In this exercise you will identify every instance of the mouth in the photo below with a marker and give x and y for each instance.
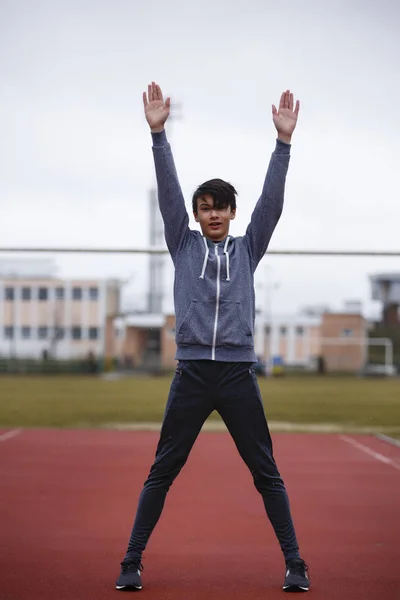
(215, 225)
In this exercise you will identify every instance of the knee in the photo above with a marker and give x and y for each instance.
(162, 473)
(268, 482)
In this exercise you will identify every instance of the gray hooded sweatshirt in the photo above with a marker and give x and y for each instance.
(214, 282)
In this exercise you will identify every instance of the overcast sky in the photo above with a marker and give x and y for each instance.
(76, 161)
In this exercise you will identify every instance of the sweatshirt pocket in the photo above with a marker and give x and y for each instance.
(198, 324)
(233, 328)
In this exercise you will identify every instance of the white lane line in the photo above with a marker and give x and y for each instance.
(388, 439)
(366, 450)
(9, 434)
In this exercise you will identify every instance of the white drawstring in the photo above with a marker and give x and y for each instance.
(227, 258)
(205, 259)
(203, 270)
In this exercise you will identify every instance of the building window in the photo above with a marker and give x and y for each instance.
(93, 333)
(43, 333)
(118, 332)
(26, 332)
(60, 293)
(283, 330)
(153, 340)
(43, 293)
(76, 293)
(9, 293)
(9, 332)
(93, 293)
(347, 332)
(26, 293)
(76, 332)
(299, 330)
(59, 333)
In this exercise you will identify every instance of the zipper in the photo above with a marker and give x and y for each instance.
(217, 303)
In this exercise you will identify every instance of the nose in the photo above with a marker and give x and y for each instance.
(214, 213)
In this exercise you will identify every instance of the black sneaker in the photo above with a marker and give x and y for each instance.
(296, 577)
(129, 578)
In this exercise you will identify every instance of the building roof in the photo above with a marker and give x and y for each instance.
(27, 268)
(143, 320)
(393, 277)
(294, 319)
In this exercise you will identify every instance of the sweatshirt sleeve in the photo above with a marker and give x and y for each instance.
(170, 197)
(269, 207)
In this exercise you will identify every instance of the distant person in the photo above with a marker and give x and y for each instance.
(214, 306)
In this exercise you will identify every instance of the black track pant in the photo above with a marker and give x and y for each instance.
(198, 388)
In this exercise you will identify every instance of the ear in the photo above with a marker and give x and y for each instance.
(233, 214)
(196, 218)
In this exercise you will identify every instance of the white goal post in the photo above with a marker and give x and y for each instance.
(364, 342)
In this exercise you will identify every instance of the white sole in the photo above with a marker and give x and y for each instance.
(123, 587)
(290, 588)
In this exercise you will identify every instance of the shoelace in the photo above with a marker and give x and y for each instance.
(131, 566)
(298, 567)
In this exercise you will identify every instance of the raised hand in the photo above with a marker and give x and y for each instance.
(285, 118)
(156, 110)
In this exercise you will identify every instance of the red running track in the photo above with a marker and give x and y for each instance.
(68, 499)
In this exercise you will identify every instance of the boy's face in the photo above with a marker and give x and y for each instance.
(214, 222)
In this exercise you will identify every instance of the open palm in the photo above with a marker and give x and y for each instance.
(155, 109)
(285, 118)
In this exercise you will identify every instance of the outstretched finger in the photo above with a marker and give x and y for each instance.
(274, 111)
(282, 100)
(150, 92)
(168, 102)
(159, 93)
(145, 103)
(291, 101)
(297, 107)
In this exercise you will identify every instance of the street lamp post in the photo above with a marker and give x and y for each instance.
(269, 288)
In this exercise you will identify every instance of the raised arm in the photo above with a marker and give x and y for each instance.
(170, 197)
(270, 204)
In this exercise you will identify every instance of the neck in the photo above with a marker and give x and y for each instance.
(215, 241)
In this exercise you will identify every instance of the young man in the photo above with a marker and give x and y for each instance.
(215, 309)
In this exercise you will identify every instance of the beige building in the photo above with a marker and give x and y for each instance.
(136, 340)
(70, 318)
(294, 338)
(341, 339)
(41, 313)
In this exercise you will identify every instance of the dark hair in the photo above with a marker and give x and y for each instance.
(222, 192)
